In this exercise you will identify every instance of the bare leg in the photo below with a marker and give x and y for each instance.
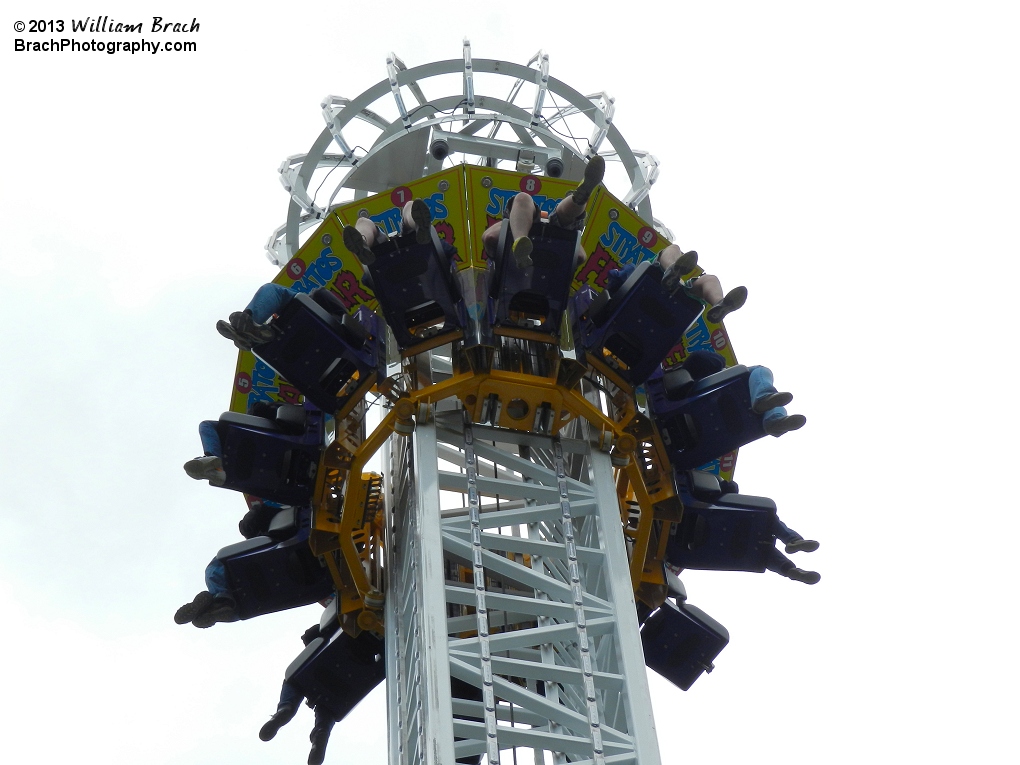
(359, 238)
(522, 215)
(708, 289)
(572, 206)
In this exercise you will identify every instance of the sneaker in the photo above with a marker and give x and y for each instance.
(221, 610)
(521, 249)
(284, 714)
(782, 425)
(802, 545)
(209, 467)
(230, 333)
(734, 299)
(198, 606)
(319, 739)
(681, 267)
(355, 243)
(246, 327)
(771, 401)
(594, 172)
(422, 221)
(800, 575)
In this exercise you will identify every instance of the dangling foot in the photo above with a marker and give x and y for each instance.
(800, 575)
(422, 221)
(202, 602)
(355, 243)
(221, 610)
(224, 328)
(771, 401)
(802, 545)
(594, 172)
(734, 299)
(246, 327)
(284, 714)
(208, 468)
(319, 739)
(522, 247)
(680, 268)
(781, 425)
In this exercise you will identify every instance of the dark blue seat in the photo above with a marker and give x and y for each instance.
(529, 302)
(681, 642)
(267, 575)
(332, 359)
(627, 333)
(273, 459)
(712, 418)
(337, 671)
(720, 531)
(418, 292)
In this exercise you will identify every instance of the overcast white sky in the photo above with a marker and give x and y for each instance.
(854, 165)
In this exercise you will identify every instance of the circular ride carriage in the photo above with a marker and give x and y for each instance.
(548, 466)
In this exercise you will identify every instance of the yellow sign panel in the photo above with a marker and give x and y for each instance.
(442, 192)
(489, 190)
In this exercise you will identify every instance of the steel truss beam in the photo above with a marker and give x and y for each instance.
(508, 573)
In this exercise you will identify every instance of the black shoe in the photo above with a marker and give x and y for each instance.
(225, 329)
(245, 326)
(355, 244)
(771, 401)
(221, 610)
(422, 221)
(594, 172)
(802, 545)
(202, 602)
(785, 424)
(800, 575)
(284, 714)
(734, 299)
(319, 739)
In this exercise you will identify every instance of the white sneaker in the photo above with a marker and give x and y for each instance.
(209, 467)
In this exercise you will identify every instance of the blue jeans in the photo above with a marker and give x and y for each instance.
(784, 533)
(778, 562)
(761, 384)
(269, 299)
(210, 438)
(216, 580)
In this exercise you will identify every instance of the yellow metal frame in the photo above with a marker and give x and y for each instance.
(643, 476)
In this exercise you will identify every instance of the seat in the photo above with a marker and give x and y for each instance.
(713, 419)
(721, 532)
(273, 460)
(268, 576)
(333, 360)
(338, 671)
(628, 333)
(416, 289)
(681, 642)
(529, 302)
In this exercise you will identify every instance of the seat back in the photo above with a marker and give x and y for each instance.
(530, 301)
(733, 532)
(332, 360)
(268, 576)
(634, 328)
(417, 291)
(261, 460)
(339, 671)
(681, 642)
(714, 419)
